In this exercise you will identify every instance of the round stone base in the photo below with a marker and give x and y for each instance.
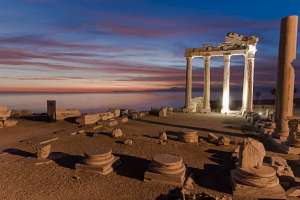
(263, 177)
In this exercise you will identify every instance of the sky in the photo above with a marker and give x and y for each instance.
(131, 45)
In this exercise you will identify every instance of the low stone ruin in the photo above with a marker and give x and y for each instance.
(43, 151)
(162, 112)
(62, 114)
(222, 140)
(117, 133)
(252, 177)
(166, 168)
(283, 170)
(163, 137)
(189, 136)
(100, 161)
(5, 113)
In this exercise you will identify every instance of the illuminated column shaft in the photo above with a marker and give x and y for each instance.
(207, 84)
(226, 84)
(285, 75)
(250, 76)
(245, 85)
(188, 86)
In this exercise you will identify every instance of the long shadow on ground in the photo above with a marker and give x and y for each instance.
(195, 128)
(132, 167)
(66, 160)
(19, 152)
(215, 176)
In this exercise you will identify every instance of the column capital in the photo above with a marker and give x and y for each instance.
(189, 57)
(227, 57)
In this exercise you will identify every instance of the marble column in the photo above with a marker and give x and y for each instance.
(206, 106)
(245, 85)
(226, 85)
(285, 75)
(250, 76)
(188, 86)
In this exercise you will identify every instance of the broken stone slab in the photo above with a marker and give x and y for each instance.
(162, 112)
(251, 154)
(111, 123)
(124, 120)
(163, 137)
(43, 151)
(128, 142)
(212, 138)
(224, 140)
(282, 146)
(21, 113)
(283, 170)
(8, 123)
(103, 116)
(99, 126)
(88, 119)
(5, 112)
(62, 114)
(124, 112)
(293, 192)
(116, 112)
(117, 133)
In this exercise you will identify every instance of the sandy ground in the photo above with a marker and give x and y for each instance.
(22, 179)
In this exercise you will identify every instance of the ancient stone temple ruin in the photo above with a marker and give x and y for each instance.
(234, 44)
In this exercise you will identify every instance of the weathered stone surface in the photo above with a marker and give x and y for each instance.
(251, 154)
(224, 140)
(162, 112)
(88, 119)
(286, 75)
(103, 116)
(116, 112)
(117, 133)
(62, 114)
(163, 137)
(21, 113)
(111, 123)
(166, 168)
(189, 136)
(5, 112)
(283, 170)
(293, 192)
(43, 151)
(8, 123)
(212, 138)
(128, 142)
(124, 120)
(100, 162)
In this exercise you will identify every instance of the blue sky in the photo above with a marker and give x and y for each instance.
(101, 45)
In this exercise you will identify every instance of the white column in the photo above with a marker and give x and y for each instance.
(188, 86)
(245, 85)
(250, 76)
(226, 85)
(207, 84)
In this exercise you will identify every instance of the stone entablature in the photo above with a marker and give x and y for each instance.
(234, 44)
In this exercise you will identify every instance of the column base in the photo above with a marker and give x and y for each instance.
(225, 111)
(205, 110)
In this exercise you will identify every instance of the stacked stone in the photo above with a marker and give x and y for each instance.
(252, 177)
(100, 162)
(166, 168)
(189, 136)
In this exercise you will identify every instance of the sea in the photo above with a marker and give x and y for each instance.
(94, 102)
